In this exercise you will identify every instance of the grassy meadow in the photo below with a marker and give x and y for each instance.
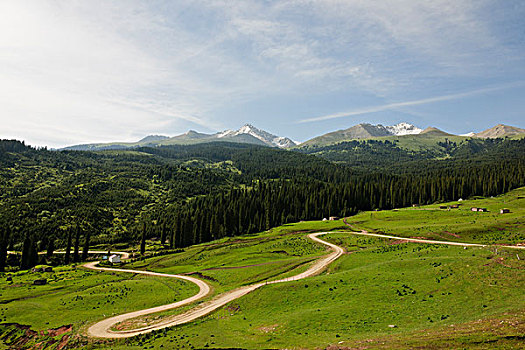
(461, 225)
(76, 296)
(415, 288)
(380, 294)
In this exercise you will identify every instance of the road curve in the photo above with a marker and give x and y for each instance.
(429, 241)
(102, 329)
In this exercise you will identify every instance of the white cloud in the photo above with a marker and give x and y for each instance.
(75, 78)
(86, 71)
(399, 105)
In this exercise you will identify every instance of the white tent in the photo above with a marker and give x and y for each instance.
(114, 258)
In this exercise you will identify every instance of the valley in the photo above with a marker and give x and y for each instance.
(239, 245)
(262, 175)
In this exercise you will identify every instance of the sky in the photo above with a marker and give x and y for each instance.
(89, 71)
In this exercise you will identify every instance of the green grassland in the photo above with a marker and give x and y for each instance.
(435, 296)
(236, 261)
(76, 296)
(460, 224)
(416, 287)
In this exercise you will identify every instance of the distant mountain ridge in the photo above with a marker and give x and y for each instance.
(434, 132)
(264, 136)
(369, 131)
(365, 131)
(252, 135)
(246, 134)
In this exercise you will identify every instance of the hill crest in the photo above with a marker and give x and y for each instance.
(500, 130)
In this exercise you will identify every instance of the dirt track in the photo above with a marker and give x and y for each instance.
(102, 329)
(429, 241)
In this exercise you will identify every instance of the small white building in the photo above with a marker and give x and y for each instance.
(114, 258)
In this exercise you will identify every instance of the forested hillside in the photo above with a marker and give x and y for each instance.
(192, 194)
(406, 153)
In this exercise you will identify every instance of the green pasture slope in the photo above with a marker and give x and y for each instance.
(461, 225)
(434, 296)
(419, 289)
(74, 297)
(381, 294)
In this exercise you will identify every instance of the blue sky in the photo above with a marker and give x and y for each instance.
(94, 71)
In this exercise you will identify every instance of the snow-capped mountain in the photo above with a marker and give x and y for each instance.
(364, 131)
(403, 129)
(264, 136)
(468, 134)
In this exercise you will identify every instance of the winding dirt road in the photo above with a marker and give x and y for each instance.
(102, 329)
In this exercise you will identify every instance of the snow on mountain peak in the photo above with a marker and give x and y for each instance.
(468, 134)
(403, 129)
(247, 128)
(266, 137)
(225, 133)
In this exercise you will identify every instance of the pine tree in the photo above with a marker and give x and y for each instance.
(143, 240)
(76, 256)
(163, 233)
(68, 247)
(50, 247)
(33, 253)
(29, 253)
(4, 242)
(26, 246)
(85, 249)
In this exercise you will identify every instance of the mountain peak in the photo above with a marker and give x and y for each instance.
(500, 130)
(153, 138)
(434, 132)
(365, 131)
(261, 135)
(247, 128)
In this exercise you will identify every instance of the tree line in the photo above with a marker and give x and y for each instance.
(272, 203)
(193, 194)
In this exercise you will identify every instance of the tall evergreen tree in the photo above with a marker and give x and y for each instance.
(68, 246)
(76, 256)
(85, 249)
(4, 242)
(143, 240)
(33, 253)
(163, 233)
(29, 253)
(50, 247)
(26, 251)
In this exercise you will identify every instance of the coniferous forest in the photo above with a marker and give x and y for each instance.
(191, 194)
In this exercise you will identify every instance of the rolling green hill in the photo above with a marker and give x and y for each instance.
(197, 193)
(383, 293)
(403, 151)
